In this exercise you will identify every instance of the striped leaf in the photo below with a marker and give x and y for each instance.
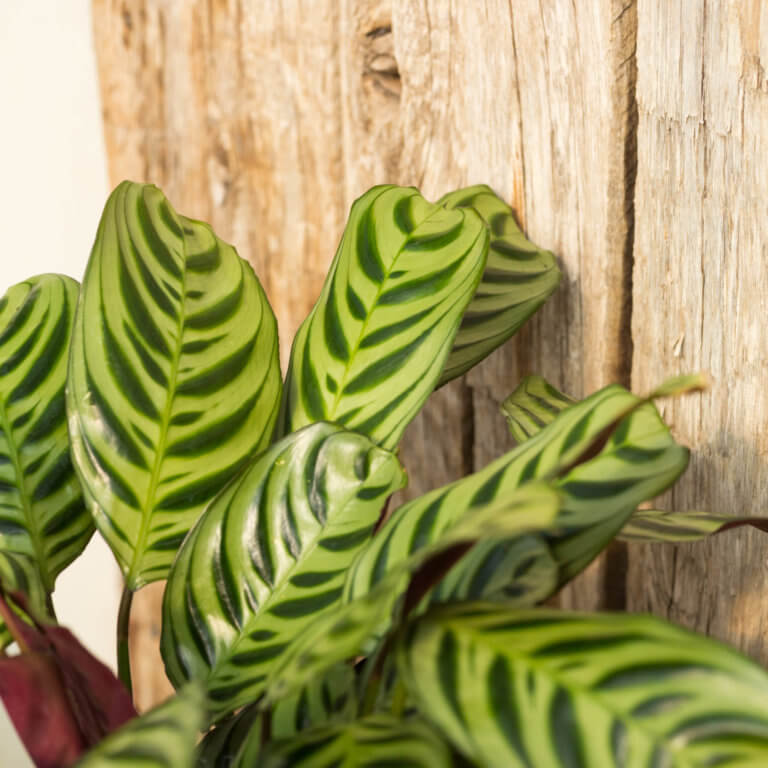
(164, 737)
(237, 742)
(375, 741)
(269, 556)
(518, 279)
(328, 698)
(42, 514)
(534, 404)
(546, 688)
(174, 380)
(223, 745)
(660, 525)
(354, 629)
(374, 345)
(19, 574)
(638, 461)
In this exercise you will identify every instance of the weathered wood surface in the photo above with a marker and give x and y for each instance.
(701, 297)
(269, 119)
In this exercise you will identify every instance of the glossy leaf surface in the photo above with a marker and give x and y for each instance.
(660, 525)
(354, 628)
(174, 379)
(20, 575)
(534, 404)
(518, 279)
(237, 742)
(42, 514)
(374, 345)
(372, 742)
(637, 462)
(164, 737)
(546, 688)
(270, 556)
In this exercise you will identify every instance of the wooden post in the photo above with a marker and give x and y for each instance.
(268, 121)
(700, 293)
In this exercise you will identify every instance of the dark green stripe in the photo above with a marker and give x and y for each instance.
(142, 319)
(157, 246)
(55, 347)
(294, 609)
(218, 313)
(367, 249)
(426, 286)
(124, 372)
(345, 541)
(394, 329)
(52, 417)
(383, 368)
(335, 340)
(211, 436)
(21, 315)
(220, 375)
(14, 361)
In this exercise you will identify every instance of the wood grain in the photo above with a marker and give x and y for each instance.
(700, 293)
(268, 121)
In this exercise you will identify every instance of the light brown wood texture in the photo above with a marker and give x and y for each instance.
(701, 295)
(268, 119)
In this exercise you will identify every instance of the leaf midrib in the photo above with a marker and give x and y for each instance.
(148, 505)
(34, 534)
(364, 327)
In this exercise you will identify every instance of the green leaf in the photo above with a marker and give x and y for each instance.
(546, 688)
(637, 459)
(374, 345)
(660, 525)
(237, 741)
(164, 737)
(174, 379)
(352, 629)
(270, 556)
(223, 745)
(372, 742)
(518, 279)
(330, 697)
(534, 404)
(19, 574)
(42, 514)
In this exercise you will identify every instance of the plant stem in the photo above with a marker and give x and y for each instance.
(49, 606)
(123, 648)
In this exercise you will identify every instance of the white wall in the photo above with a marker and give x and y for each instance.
(52, 190)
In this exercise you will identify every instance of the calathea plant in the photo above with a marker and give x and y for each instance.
(303, 626)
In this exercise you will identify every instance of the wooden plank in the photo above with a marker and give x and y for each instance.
(700, 288)
(269, 123)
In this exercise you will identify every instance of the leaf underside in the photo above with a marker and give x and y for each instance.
(534, 404)
(174, 380)
(518, 278)
(674, 527)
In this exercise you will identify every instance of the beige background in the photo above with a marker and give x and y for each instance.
(53, 189)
